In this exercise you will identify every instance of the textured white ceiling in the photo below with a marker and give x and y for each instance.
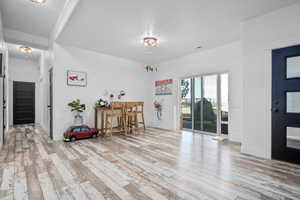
(117, 27)
(31, 18)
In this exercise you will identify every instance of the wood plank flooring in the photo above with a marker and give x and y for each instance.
(157, 165)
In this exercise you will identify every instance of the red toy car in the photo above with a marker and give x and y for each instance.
(78, 132)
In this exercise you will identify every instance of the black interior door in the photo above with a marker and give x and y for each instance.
(1, 70)
(286, 104)
(24, 102)
(2, 100)
(50, 106)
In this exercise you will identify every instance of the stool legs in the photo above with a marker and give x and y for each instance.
(133, 124)
(136, 124)
(143, 121)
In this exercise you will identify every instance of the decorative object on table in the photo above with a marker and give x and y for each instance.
(101, 104)
(122, 93)
(79, 132)
(111, 97)
(164, 87)
(75, 78)
(78, 108)
(151, 68)
(158, 109)
(105, 93)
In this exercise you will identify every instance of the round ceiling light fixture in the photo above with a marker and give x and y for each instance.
(25, 49)
(150, 41)
(38, 1)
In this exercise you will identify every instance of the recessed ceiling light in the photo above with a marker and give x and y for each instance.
(38, 1)
(25, 49)
(150, 41)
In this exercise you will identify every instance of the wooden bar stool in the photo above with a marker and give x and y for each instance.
(140, 111)
(131, 117)
(116, 112)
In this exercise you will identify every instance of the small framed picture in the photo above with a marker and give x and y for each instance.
(164, 87)
(75, 78)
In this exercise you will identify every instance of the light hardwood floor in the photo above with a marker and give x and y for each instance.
(156, 165)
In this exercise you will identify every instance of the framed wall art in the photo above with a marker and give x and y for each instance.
(164, 87)
(76, 78)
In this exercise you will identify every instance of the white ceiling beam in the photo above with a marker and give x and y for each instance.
(18, 37)
(63, 18)
(2, 45)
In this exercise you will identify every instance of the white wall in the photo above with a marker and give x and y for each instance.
(44, 91)
(27, 71)
(226, 58)
(259, 35)
(1, 33)
(103, 73)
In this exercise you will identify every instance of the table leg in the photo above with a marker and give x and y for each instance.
(102, 124)
(96, 118)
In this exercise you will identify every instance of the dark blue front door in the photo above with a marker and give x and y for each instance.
(286, 104)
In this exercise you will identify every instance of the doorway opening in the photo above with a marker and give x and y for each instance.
(204, 104)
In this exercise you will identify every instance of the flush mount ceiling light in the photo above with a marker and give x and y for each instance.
(150, 41)
(25, 49)
(38, 1)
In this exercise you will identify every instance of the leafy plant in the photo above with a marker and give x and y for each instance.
(101, 103)
(185, 87)
(76, 106)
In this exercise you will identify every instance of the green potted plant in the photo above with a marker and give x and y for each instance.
(78, 108)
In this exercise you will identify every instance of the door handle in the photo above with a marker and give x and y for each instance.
(275, 109)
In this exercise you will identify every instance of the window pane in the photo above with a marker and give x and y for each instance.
(224, 104)
(293, 102)
(293, 137)
(210, 103)
(293, 67)
(198, 104)
(186, 103)
(76, 130)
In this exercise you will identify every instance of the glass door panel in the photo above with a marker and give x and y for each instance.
(210, 106)
(198, 104)
(204, 103)
(224, 103)
(186, 103)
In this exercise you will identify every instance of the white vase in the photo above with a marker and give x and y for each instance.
(78, 119)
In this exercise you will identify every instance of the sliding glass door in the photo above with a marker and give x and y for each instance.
(224, 103)
(210, 107)
(198, 107)
(204, 105)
